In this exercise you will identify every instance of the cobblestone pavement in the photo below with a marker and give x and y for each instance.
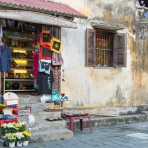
(127, 136)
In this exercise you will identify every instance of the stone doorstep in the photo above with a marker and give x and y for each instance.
(110, 121)
(38, 107)
(80, 111)
(107, 111)
(43, 125)
(51, 134)
(50, 115)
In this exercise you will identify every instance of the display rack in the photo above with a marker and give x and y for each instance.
(20, 78)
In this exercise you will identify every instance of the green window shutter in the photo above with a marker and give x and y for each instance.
(120, 50)
(90, 47)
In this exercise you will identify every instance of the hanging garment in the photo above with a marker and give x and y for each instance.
(57, 59)
(57, 77)
(45, 54)
(1, 31)
(5, 58)
(44, 83)
(45, 66)
(36, 64)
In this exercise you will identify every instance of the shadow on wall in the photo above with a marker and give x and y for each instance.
(118, 99)
(140, 97)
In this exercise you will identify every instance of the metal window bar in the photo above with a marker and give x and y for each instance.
(104, 48)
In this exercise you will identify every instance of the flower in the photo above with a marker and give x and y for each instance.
(19, 135)
(27, 135)
(20, 127)
(11, 137)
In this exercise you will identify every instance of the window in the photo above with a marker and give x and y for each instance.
(105, 48)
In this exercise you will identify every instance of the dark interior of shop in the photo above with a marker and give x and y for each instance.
(22, 38)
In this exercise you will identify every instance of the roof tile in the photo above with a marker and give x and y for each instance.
(44, 5)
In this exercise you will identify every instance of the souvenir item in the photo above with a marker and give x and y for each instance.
(45, 39)
(45, 54)
(56, 45)
(45, 66)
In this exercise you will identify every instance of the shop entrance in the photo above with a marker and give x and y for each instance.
(24, 74)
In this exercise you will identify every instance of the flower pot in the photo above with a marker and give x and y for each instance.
(19, 144)
(11, 144)
(25, 143)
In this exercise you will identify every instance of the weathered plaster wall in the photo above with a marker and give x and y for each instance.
(140, 70)
(95, 86)
(90, 85)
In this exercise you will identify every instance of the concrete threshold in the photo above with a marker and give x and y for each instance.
(100, 121)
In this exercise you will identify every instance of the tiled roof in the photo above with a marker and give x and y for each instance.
(42, 6)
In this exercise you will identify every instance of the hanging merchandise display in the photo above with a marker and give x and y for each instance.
(56, 45)
(57, 59)
(44, 83)
(45, 66)
(36, 64)
(5, 58)
(45, 54)
(57, 78)
(45, 46)
(49, 56)
(45, 39)
(34, 61)
(1, 31)
(19, 36)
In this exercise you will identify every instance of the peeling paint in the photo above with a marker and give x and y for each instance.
(95, 86)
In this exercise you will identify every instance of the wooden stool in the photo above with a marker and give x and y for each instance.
(84, 119)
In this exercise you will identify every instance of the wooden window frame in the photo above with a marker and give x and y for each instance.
(119, 51)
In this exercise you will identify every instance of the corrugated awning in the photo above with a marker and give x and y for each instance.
(36, 17)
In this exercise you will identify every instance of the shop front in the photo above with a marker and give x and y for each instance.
(30, 64)
(21, 40)
(31, 50)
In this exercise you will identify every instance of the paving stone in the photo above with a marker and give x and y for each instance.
(51, 134)
(107, 137)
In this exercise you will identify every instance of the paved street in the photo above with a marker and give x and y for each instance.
(128, 136)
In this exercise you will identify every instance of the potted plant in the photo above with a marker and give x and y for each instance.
(20, 138)
(20, 127)
(8, 128)
(27, 136)
(10, 139)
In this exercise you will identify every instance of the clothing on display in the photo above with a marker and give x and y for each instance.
(34, 61)
(57, 59)
(1, 31)
(56, 45)
(5, 58)
(44, 83)
(45, 54)
(36, 64)
(57, 77)
(45, 66)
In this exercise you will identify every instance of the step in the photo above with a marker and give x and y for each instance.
(43, 125)
(51, 134)
(37, 107)
(47, 115)
(29, 99)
